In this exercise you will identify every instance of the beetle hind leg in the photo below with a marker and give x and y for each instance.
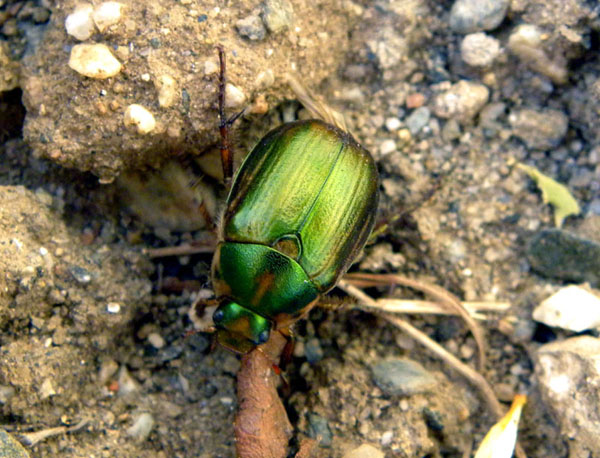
(224, 122)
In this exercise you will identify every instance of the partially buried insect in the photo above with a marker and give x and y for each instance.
(301, 207)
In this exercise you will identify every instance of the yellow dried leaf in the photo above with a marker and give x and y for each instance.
(501, 439)
(553, 193)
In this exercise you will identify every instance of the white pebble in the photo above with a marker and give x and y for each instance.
(392, 124)
(145, 77)
(43, 251)
(47, 389)
(79, 23)
(386, 438)
(94, 61)
(572, 308)
(234, 96)
(113, 307)
(265, 79)
(167, 90)
(156, 340)
(387, 147)
(138, 117)
(210, 67)
(107, 14)
(141, 428)
(127, 384)
(479, 49)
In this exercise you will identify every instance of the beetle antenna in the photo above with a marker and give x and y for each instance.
(224, 123)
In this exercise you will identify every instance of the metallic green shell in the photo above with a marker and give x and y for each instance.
(311, 185)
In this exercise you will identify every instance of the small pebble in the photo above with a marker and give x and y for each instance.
(80, 274)
(251, 27)
(386, 438)
(94, 61)
(167, 90)
(235, 98)
(210, 67)
(418, 119)
(401, 376)
(392, 124)
(156, 340)
(318, 428)
(127, 384)
(107, 14)
(387, 147)
(462, 101)
(79, 23)
(573, 308)
(47, 389)
(479, 49)
(108, 369)
(468, 16)
(265, 79)
(6, 392)
(364, 451)
(113, 307)
(141, 428)
(539, 129)
(277, 15)
(313, 350)
(415, 100)
(139, 118)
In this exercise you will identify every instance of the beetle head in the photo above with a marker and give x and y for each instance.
(240, 329)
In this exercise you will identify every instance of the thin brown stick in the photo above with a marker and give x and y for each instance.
(179, 250)
(444, 297)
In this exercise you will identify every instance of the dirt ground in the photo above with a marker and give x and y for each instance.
(94, 333)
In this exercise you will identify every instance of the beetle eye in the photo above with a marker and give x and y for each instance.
(218, 316)
(263, 336)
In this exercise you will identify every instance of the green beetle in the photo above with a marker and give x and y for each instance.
(301, 207)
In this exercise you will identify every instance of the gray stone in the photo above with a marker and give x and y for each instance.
(468, 16)
(277, 15)
(541, 130)
(313, 351)
(555, 253)
(568, 372)
(418, 119)
(251, 27)
(479, 49)
(462, 101)
(403, 377)
(318, 428)
(11, 447)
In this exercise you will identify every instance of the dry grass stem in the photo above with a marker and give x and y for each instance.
(443, 297)
(32, 439)
(475, 308)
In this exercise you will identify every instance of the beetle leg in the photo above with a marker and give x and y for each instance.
(288, 349)
(224, 123)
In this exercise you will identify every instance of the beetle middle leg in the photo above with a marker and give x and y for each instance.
(224, 122)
